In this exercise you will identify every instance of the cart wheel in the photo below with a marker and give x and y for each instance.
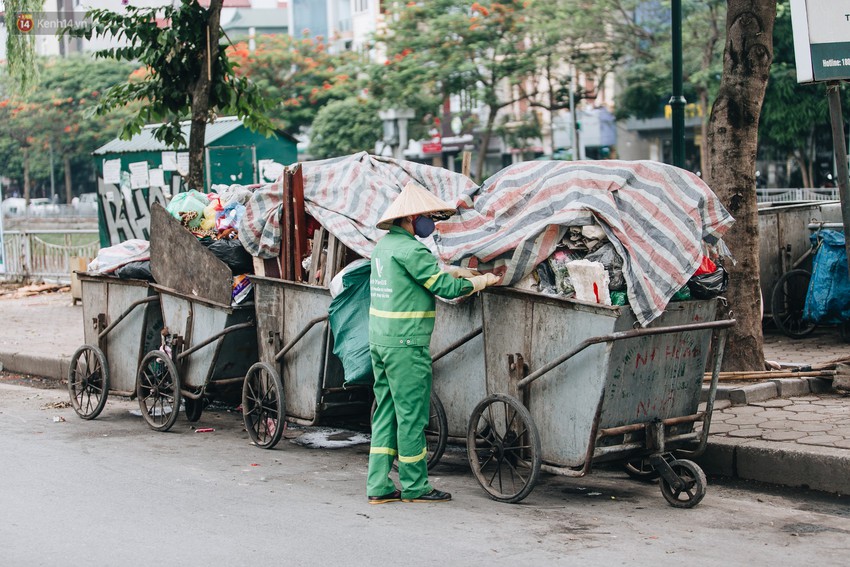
(693, 490)
(193, 408)
(262, 405)
(436, 432)
(88, 381)
(503, 447)
(788, 301)
(158, 390)
(640, 469)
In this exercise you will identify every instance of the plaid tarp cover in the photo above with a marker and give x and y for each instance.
(657, 216)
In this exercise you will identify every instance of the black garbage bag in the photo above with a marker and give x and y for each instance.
(706, 286)
(135, 271)
(232, 253)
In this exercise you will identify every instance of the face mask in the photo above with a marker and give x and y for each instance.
(423, 226)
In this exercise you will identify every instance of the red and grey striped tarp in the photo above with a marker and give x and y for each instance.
(656, 215)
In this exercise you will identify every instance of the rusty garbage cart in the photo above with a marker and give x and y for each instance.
(572, 384)
(207, 341)
(122, 323)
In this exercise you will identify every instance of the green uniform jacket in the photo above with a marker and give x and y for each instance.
(405, 277)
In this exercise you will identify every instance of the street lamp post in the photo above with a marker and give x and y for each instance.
(677, 101)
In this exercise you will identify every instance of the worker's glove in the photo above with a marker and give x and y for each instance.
(459, 272)
(482, 281)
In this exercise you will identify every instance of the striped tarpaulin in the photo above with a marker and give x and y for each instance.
(657, 216)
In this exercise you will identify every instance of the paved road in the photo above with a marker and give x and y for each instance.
(111, 492)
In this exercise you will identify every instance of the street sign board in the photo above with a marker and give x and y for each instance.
(821, 40)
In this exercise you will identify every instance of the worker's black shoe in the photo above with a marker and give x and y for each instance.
(394, 496)
(433, 496)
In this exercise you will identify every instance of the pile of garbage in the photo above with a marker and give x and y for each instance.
(213, 218)
(586, 266)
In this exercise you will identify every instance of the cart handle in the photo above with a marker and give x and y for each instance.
(296, 338)
(129, 310)
(212, 338)
(621, 335)
(457, 344)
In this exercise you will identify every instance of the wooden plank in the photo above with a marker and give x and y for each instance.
(330, 260)
(181, 263)
(286, 252)
(299, 226)
(316, 258)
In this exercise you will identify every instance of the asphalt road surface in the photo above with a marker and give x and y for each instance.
(112, 492)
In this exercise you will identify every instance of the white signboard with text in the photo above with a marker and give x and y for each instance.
(821, 39)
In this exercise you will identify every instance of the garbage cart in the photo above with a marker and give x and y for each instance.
(122, 323)
(572, 384)
(207, 342)
(296, 359)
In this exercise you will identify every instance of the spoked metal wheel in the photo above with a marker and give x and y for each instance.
(158, 390)
(692, 490)
(88, 381)
(640, 469)
(788, 301)
(503, 447)
(262, 405)
(436, 432)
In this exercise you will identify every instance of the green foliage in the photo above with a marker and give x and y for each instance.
(647, 78)
(794, 117)
(298, 75)
(20, 47)
(55, 115)
(520, 134)
(173, 65)
(345, 127)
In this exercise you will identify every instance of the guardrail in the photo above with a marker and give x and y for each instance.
(783, 195)
(46, 254)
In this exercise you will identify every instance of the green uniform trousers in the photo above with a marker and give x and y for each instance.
(402, 395)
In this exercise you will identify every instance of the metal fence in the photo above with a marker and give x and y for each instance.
(46, 254)
(786, 195)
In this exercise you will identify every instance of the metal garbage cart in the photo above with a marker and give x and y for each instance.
(573, 384)
(208, 343)
(122, 322)
(297, 360)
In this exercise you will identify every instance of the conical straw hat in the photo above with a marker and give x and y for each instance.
(414, 200)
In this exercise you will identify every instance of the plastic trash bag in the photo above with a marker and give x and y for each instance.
(232, 253)
(710, 285)
(828, 298)
(135, 271)
(608, 257)
(348, 315)
(111, 258)
(188, 205)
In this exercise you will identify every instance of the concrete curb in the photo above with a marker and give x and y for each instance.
(775, 388)
(22, 363)
(817, 468)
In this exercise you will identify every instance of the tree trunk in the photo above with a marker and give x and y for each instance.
(69, 190)
(201, 99)
(485, 143)
(732, 141)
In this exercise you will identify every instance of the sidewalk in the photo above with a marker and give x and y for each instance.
(793, 432)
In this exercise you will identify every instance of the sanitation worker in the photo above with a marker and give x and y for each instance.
(405, 278)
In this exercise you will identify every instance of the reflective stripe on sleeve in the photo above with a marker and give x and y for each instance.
(432, 280)
(415, 459)
(401, 314)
